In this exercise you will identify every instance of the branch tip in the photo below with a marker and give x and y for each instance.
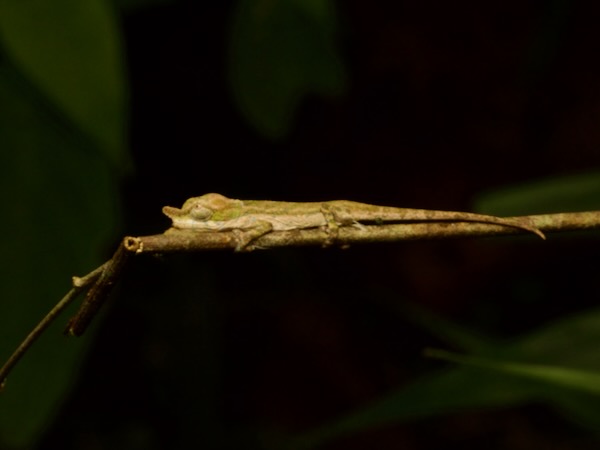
(133, 244)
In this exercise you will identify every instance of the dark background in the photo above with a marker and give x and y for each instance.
(443, 102)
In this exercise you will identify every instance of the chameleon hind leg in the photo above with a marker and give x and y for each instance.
(245, 237)
(332, 226)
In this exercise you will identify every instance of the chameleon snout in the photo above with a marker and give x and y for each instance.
(171, 212)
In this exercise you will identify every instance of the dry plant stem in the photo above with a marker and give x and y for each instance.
(188, 241)
(98, 293)
(79, 284)
(174, 240)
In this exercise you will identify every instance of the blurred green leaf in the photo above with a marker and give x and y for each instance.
(71, 51)
(563, 354)
(582, 380)
(280, 52)
(446, 331)
(59, 211)
(561, 194)
(457, 390)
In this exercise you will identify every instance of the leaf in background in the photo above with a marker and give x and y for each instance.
(446, 331)
(456, 390)
(71, 51)
(570, 345)
(58, 216)
(281, 51)
(570, 193)
(582, 380)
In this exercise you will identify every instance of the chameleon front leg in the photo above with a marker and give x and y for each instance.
(245, 237)
(332, 225)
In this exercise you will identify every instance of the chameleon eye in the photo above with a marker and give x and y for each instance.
(200, 212)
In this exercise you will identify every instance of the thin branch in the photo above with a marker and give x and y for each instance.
(98, 293)
(79, 284)
(174, 240)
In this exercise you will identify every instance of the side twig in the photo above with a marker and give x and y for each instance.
(79, 284)
(96, 296)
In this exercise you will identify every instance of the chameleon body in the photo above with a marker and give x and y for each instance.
(215, 212)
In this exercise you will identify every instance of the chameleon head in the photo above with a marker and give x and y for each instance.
(198, 209)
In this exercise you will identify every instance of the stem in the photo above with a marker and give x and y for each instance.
(175, 240)
(97, 295)
(80, 283)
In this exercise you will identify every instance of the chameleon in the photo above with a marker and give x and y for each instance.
(251, 219)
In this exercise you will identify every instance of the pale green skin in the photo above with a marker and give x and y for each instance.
(215, 212)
